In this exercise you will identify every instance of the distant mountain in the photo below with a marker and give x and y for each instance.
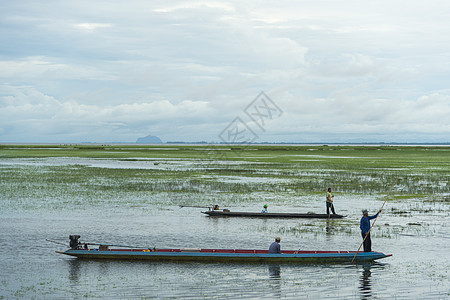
(149, 139)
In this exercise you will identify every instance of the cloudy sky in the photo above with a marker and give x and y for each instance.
(331, 71)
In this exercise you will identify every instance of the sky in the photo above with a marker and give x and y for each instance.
(306, 71)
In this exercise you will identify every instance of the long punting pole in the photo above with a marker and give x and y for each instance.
(56, 242)
(375, 218)
(98, 244)
(181, 206)
(332, 193)
(113, 245)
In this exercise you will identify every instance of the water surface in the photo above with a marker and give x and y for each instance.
(416, 232)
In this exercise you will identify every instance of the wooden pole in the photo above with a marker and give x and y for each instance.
(113, 245)
(332, 203)
(375, 218)
(56, 242)
(181, 206)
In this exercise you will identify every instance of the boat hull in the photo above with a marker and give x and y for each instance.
(227, 255)
(214, 213)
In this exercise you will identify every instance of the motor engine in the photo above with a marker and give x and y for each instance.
(74, 244)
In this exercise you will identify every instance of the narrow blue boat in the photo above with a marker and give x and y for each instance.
(226, 255)
(83, 251)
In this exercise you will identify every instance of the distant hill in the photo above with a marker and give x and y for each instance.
(149, 139)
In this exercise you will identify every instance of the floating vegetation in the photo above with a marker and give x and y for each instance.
(414, 224)
(86, 174)
(132, 193)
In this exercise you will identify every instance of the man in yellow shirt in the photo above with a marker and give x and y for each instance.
(330, 203)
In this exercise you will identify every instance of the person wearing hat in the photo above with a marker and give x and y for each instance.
(364, 224)
(275, 246)
(264, 210)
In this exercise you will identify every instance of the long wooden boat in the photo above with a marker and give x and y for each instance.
(227, 213)
(225, 255)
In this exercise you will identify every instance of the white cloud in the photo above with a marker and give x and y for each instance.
(37, 116)
(183, 70)
(44, 68)
(91, 26)
(196, 5)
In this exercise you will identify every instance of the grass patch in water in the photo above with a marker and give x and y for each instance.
(201, 173)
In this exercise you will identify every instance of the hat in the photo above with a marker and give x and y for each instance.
(365, 211)
(278, 239)
(265, 205)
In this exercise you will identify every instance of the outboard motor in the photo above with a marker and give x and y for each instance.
(74, 244)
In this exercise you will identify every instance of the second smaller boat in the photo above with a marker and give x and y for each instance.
(228, 213)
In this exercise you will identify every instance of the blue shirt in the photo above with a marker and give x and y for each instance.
(264, 210)
(274, 248)
(364, 224)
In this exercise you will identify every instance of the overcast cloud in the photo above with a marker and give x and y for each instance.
(340, 71)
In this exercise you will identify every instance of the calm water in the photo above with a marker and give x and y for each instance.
(419, 240)
(31, 269)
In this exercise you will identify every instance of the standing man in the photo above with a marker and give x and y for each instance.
(330, 203)
(364, 224)
(275, 246)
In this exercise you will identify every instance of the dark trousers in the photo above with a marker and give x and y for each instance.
(367, 242)
(328, 208)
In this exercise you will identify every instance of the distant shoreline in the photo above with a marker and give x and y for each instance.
(230, 144)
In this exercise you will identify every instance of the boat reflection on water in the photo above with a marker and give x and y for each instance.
(74, 270)
(329, 228)
(366, 280)
(365, 287)
(275, 279)
(274, 272)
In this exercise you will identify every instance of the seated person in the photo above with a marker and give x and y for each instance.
(265, 209)
(275, 246)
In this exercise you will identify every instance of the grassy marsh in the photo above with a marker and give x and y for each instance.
(131, 194)
(85, 174)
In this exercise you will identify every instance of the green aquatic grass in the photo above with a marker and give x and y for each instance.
(227, 174)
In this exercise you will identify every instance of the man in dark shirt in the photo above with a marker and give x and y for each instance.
(364, 224)
(275, 246)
